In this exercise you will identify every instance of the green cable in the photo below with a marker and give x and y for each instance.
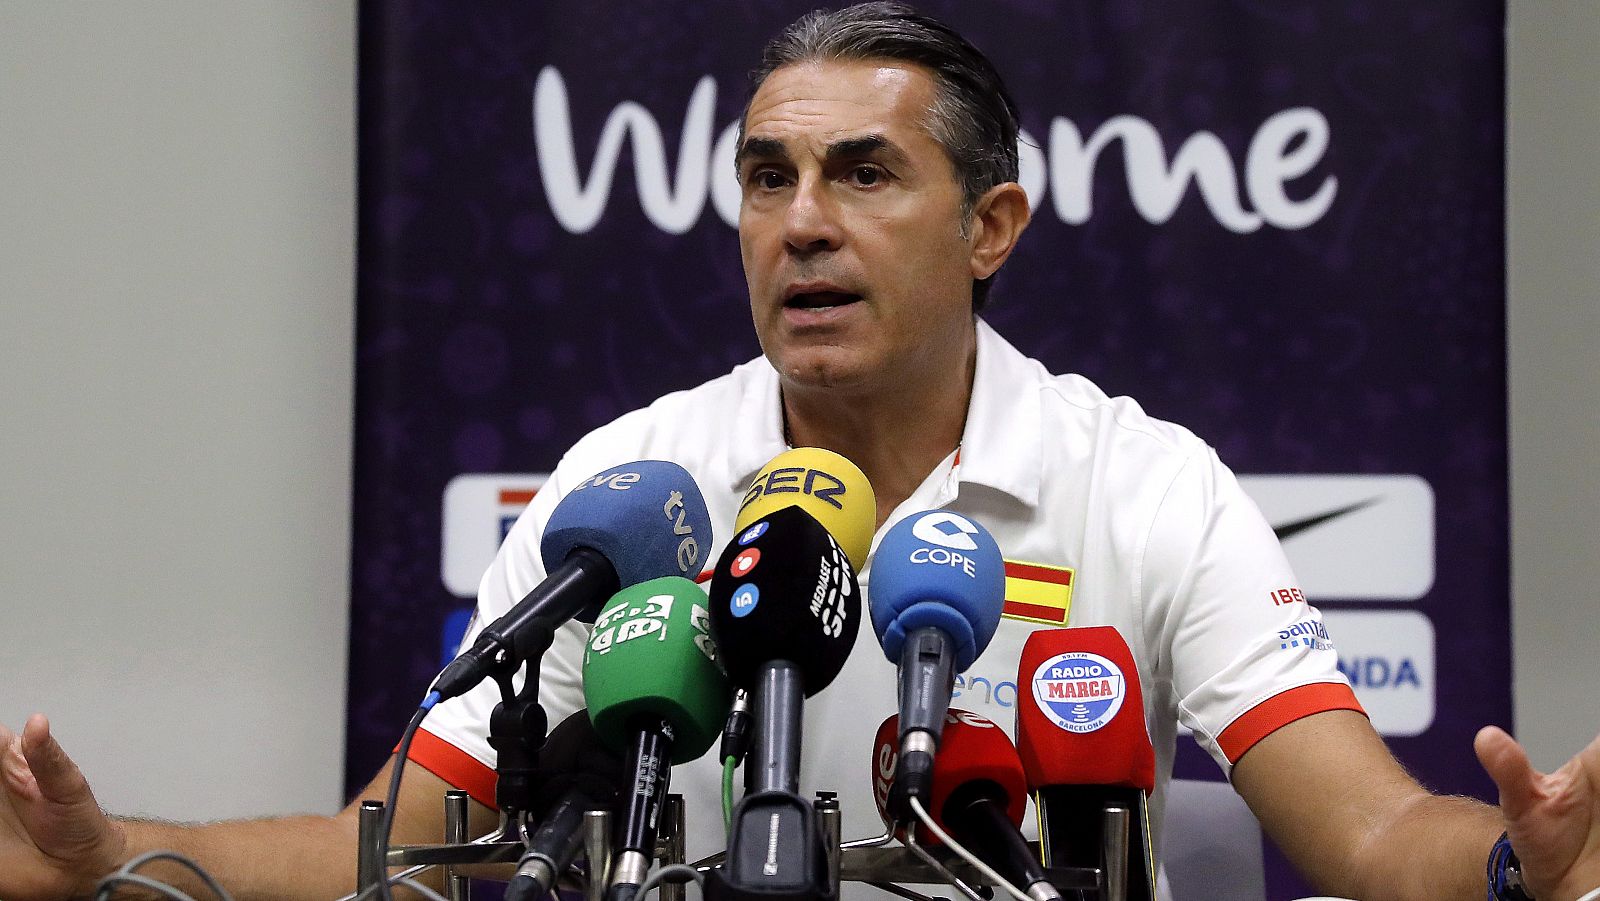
(727, 792)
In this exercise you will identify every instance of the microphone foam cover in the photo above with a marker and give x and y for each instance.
(651, 655)
(832, 489)
(647, 517)
(785, 590)
(973, 749)
(942, 570)
(1080, 711)
(574, 756)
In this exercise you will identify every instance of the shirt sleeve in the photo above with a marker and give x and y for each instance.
(454, 741)
(1247, 653)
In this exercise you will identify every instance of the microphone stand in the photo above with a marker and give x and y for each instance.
(775, 849)
(518, 725)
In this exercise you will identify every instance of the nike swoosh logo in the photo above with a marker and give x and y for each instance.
(1289, 529)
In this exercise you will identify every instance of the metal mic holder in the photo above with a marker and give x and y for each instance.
(869, 861)
(873, 862)
(518, 725)
(504, 845)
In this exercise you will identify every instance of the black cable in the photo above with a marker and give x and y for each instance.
(394, 791)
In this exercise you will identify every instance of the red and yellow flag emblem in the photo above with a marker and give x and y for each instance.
(1038, 593)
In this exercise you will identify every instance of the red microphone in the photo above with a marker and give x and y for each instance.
(1087, 755)
(975, 758)
(979, 796)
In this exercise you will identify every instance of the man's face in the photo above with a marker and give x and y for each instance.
(850, 228)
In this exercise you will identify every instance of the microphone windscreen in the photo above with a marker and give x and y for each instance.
(938, 569)
(974, 752)
(647, 517)
(574, 756)
(1080, 711)
(785, 590)
(824, 484)
(651, 655)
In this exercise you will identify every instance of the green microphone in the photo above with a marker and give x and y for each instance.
(655, 692)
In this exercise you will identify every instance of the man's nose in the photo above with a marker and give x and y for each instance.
(811, 222)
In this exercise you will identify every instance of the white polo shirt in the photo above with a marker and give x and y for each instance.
(1161, 543)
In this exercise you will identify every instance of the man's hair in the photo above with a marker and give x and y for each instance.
(973, 117)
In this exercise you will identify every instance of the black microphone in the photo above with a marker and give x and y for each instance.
(580, 774)
(629, 524)
(785, 610)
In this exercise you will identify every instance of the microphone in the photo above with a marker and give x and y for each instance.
(1087, 754)
(652, 685)
(785, 610)
(828, 486)
(626, 525)
(938, 589)
(581, 774)
(979, 796)
(784, 591)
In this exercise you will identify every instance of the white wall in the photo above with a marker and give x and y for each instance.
(176, 258)
(1554, 321)
(177, 188)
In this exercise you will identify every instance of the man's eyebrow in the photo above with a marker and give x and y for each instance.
(760, 148)
(874, 145)
(867, 146)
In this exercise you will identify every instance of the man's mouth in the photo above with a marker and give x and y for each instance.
(820, 300)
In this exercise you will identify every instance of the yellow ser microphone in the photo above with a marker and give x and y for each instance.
(824, 484)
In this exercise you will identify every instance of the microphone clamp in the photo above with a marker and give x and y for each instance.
(913, 774)
(627, 874)
(736, 732)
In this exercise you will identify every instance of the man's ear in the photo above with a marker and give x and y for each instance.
(998, 219)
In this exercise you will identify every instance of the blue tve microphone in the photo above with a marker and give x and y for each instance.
(938, 588)
(626, 525)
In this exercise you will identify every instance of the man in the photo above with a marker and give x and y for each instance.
(878, 169)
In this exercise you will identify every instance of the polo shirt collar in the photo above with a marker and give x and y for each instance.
(999, 445)
(757, 433)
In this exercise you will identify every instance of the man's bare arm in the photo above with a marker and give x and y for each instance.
(301, 857)
(1343, 810)
(55, 843)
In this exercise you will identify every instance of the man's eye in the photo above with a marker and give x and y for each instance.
(866, 176)
(767, 180)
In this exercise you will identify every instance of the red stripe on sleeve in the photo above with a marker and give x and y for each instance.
(454, 766)
(1282, 709)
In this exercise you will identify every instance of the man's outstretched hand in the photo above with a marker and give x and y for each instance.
(1553, 820)
(55, 842)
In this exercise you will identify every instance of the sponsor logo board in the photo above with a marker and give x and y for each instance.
(479, 509)
(1388, 656)
(1352, 537)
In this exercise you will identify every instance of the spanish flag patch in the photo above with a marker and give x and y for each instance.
(1037, 593)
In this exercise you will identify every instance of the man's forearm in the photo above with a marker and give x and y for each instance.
(1344, 811)
(303, 857)
(1429, 847)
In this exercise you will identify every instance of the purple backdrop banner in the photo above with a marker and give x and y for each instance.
(1280, 224)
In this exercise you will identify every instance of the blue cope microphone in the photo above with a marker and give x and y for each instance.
(938, 588)
(626, 525)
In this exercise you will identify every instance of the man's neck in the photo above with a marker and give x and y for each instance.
(897, 434)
